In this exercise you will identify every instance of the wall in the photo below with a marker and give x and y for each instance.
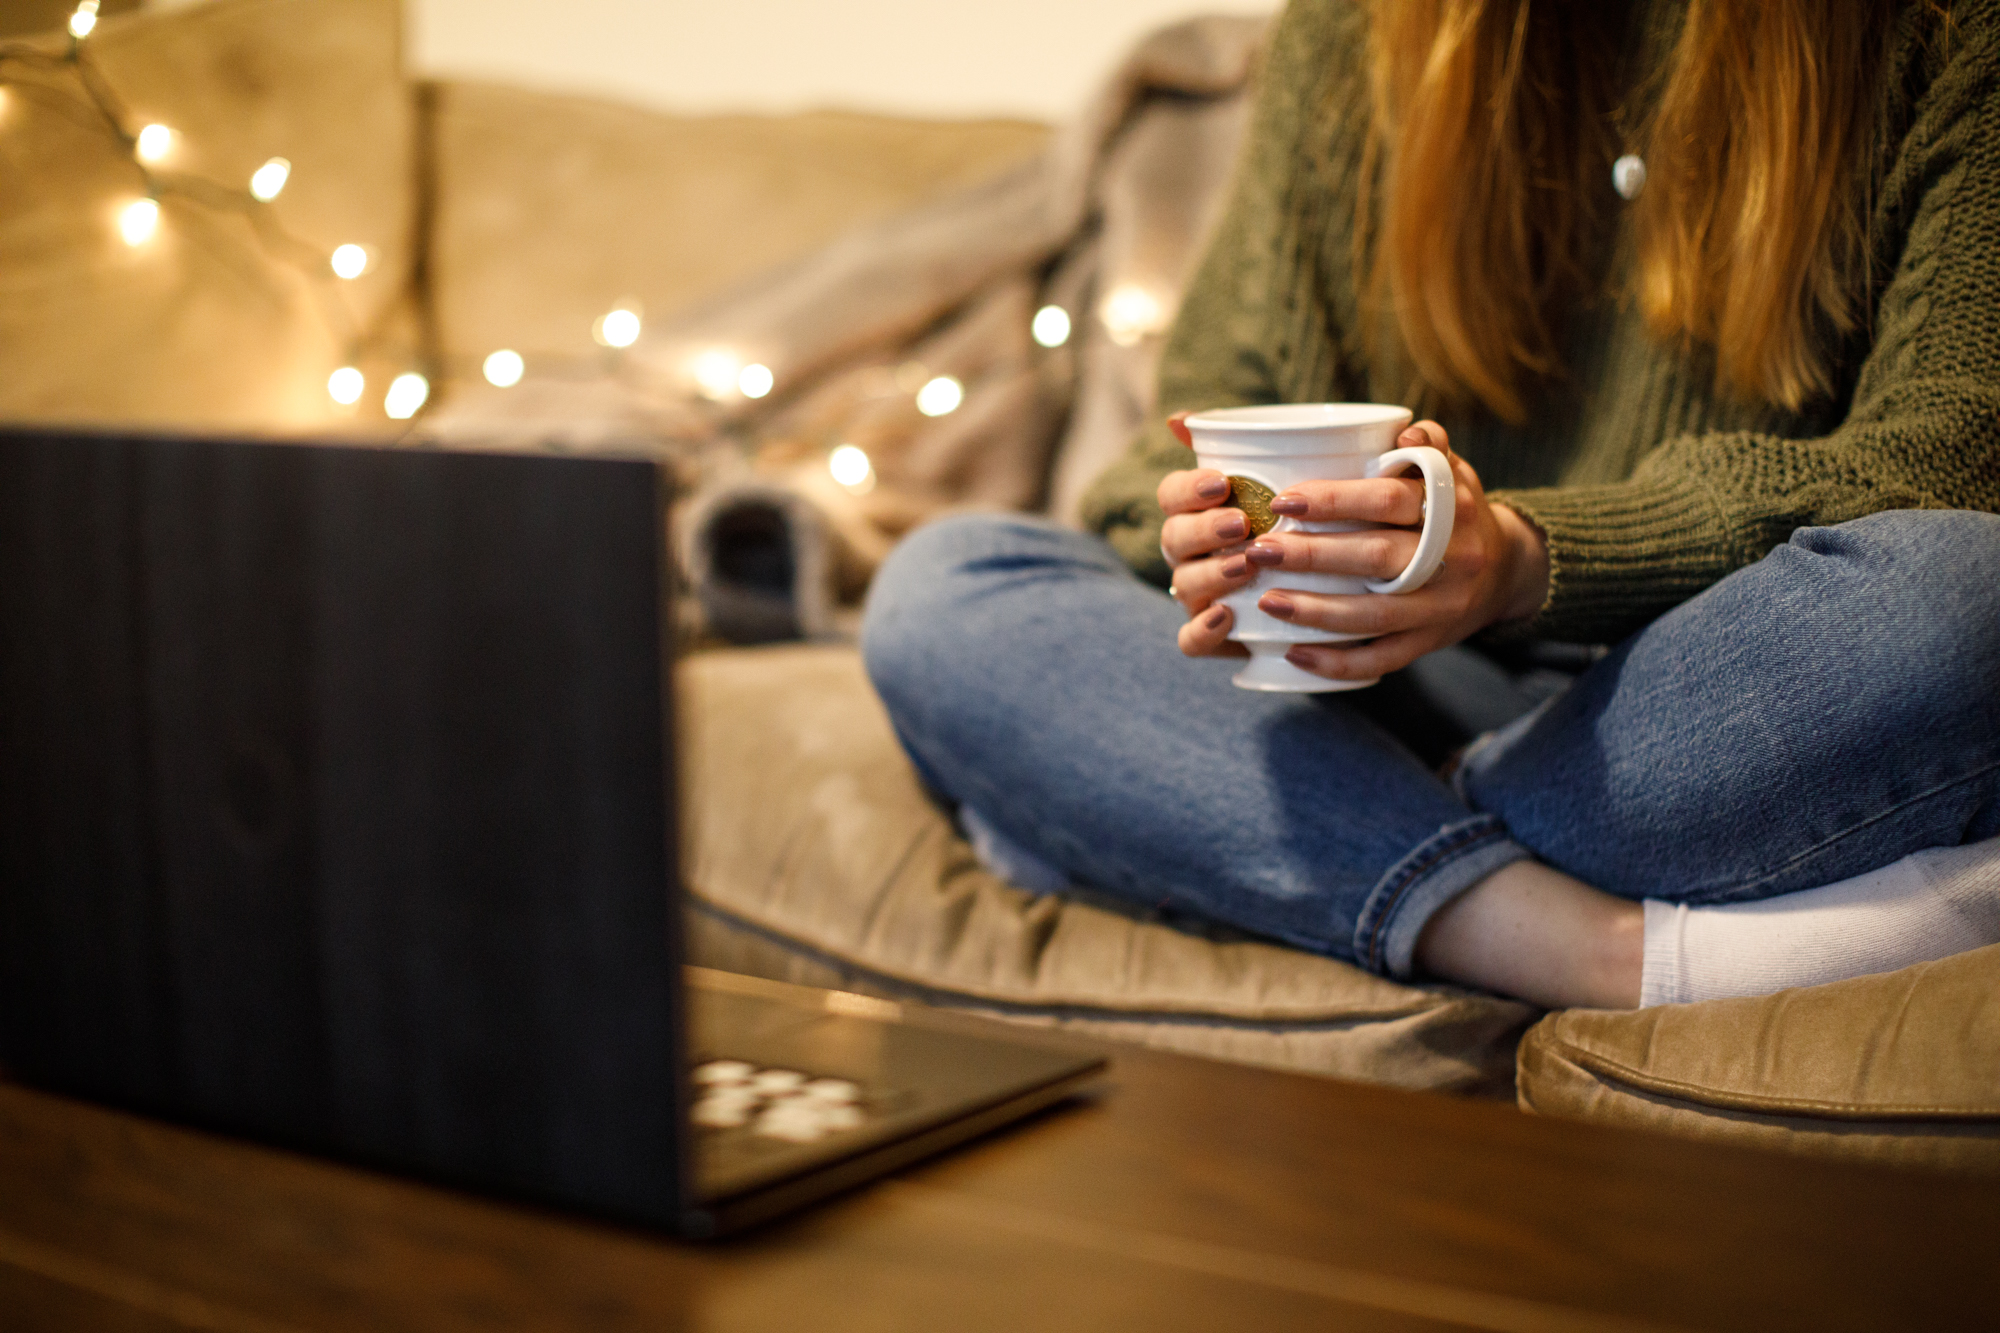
(1031, 58)
(19, 18)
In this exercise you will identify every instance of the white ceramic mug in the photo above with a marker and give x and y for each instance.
(1275, 447)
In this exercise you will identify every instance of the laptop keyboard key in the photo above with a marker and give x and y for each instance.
(724, 1071)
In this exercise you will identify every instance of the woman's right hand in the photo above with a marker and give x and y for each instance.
(1203, 540)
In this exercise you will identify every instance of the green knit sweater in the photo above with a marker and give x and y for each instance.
(1648, 484)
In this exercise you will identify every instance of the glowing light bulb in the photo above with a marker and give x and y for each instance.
(717, 373)
(1130, 312)
(1051, 326)
(504, 368)
(154, 143)
(617, 328)
(344, 386)
(407, 393)
(851, 468)
(349, 261)
(755, 380)
(940, 396)
(267, 180)
(83, 20)
(139, 220)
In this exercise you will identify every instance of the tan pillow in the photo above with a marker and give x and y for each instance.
(198, 327)
(812, 854)
(1903, 1067)
(551, 209)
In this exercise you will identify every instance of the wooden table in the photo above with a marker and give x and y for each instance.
(1186, 1195)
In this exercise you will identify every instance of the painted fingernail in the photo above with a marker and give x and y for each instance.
(1413, 436)
(1289, 505)
(1212, 488)
(1265, 553)
(1214, 616)
(1232, 525)
(1276, 604)
(1235, 567)
(1302, 657)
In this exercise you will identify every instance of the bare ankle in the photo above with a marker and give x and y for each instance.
(1621, 956)
(1531, 931)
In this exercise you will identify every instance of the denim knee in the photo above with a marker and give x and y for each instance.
(908, 595)
(931, 614)
(916, 593)
(1914, 594)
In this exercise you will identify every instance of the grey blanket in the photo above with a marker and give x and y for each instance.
(1105, 225)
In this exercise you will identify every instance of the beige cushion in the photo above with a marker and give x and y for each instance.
(812, 854)
(199, 326)
(1898, 1068)
(551, 209)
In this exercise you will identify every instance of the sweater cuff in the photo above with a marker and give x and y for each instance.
(1622, 555)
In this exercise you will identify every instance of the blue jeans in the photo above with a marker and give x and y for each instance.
(1818, 714)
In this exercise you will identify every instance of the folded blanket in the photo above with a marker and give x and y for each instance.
(1105, 225)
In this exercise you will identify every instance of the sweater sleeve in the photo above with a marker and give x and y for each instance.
(1922, 429)
(1254, 326)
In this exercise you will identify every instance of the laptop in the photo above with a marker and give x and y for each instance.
(337, 811)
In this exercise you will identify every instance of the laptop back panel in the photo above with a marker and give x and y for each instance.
(334, 807)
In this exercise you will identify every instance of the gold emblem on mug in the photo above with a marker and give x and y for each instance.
(1254, 499)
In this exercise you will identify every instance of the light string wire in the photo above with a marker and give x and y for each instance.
(107, 114)
(94, 105)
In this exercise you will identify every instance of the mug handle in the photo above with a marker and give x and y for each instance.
(1440, 506)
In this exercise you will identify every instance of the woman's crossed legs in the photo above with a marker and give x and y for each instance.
(1816, 715)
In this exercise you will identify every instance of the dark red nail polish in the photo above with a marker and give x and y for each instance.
(1276, 604)
(1235, 567)
(1291, 506)
(1265, 553)
(1212, 488)
(1212, 618)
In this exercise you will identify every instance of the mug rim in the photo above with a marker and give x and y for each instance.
(1282, 418)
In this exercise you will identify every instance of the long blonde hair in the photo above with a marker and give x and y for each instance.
(1495, 123)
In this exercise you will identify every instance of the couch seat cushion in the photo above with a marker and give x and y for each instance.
(1898, 1067)
(813, 854)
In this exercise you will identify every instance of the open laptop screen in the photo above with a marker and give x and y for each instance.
(293, 740)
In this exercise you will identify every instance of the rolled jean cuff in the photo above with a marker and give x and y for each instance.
(1443, 866)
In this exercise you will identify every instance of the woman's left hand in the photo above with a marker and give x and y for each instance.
(1496, 568)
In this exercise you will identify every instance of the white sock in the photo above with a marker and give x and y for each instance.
(1930, 904)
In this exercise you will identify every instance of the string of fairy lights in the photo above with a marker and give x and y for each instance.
(150, 147)
(1129, 312)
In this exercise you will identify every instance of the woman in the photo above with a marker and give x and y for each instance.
(1737, 414)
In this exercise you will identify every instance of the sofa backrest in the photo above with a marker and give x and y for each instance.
(553, 209)
(203, 324)
(492, 216)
